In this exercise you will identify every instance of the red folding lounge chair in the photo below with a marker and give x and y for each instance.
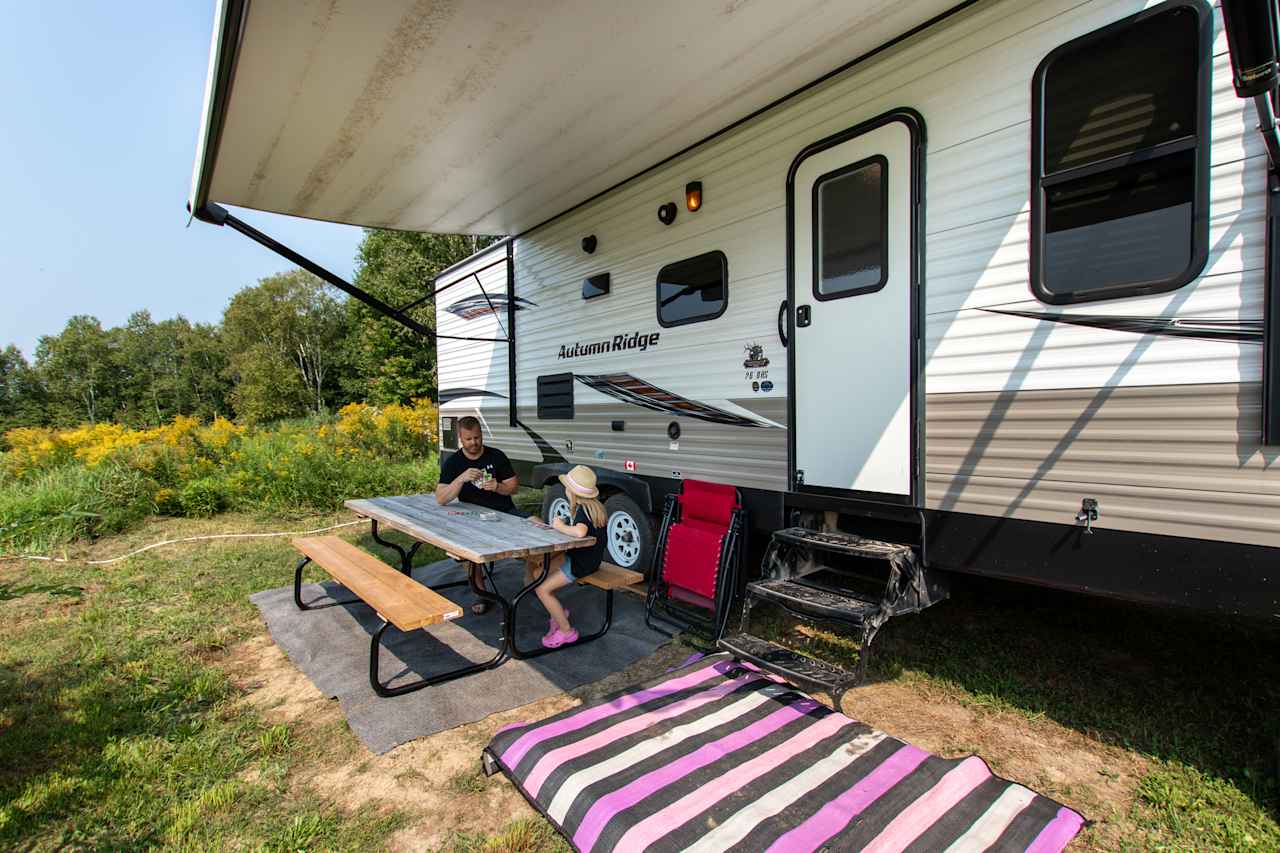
(699, 550)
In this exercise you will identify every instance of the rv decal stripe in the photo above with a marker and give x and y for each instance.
(638, 392)
(480, 305)
(1246, 331)
(448, 395)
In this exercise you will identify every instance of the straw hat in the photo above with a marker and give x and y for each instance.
(580, 480)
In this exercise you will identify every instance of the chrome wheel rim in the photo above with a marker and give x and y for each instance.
(624, 540)
(559, 509)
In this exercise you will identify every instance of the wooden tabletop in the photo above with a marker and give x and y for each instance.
(459, 529)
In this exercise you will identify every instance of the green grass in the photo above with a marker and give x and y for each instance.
(1197, 695)
(118, 729)
(519, 836)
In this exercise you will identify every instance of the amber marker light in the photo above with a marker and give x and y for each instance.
(693, 195)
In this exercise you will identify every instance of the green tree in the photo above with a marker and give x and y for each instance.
(387, 362)
(284, 341)
(21, 395)
(80, 370)
(202, 382)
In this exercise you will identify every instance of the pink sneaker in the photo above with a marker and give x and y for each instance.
(556, 638)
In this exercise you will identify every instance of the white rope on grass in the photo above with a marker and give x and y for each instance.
(179, 541)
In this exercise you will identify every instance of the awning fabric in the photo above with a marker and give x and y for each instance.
(489, 117)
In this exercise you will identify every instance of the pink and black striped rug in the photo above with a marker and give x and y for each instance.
(717, 755)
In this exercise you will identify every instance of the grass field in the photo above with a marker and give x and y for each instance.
(126, 720)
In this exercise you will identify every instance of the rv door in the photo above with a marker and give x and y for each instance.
(852, 202)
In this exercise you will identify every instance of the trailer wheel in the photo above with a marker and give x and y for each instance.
(629, 533)
(555, 504)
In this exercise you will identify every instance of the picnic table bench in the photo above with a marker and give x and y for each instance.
(397, 598)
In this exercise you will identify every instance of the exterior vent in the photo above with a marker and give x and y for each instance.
(555, 397)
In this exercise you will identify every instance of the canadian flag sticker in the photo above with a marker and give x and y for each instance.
(629, 464)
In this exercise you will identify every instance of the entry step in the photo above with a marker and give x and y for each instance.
(843, 543)
(812, 601)
(790, 665)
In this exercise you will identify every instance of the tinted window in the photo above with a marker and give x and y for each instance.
(851, 252)
(693, 289)
(597, 285)
(1119, 175)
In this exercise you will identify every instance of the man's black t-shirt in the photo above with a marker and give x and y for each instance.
(492, 460)
(585, 561)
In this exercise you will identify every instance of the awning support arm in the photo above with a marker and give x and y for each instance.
(218, 215)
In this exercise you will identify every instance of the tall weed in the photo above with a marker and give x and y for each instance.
(57, 486)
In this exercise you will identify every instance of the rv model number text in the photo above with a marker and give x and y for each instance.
(635, 340)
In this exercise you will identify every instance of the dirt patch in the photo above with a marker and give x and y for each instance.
(1095, 779)
(273, 686)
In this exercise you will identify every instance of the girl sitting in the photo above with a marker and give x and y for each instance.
(588, 519)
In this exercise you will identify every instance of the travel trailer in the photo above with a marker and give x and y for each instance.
(995, 283)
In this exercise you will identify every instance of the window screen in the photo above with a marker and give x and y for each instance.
(850, 216)
(693, 289)
(555, 397)
(1120, 167)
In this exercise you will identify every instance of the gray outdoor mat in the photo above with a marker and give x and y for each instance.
(331, 647)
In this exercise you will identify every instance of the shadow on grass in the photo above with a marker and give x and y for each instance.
(88, 737)
(1197, 690)
(12, 591)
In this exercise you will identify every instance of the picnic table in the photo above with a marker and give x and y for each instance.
(467, 532)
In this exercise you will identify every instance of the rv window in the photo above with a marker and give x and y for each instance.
(693, 289)
(555, 397)
(850, 214)
(1120, 140)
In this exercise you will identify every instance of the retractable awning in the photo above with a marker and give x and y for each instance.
(490, 117)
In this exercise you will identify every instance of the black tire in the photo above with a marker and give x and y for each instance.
(637, 554)
(551, 495)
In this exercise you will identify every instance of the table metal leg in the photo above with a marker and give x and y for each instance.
(400, 689)
(520, 654)
(406, 557)
(500, 656)
(297, 591)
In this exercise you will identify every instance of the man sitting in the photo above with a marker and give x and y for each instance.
(479, 475)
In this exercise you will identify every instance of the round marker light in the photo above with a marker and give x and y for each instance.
(667, 213)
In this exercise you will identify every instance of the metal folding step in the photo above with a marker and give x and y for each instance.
(842, 543)
(801, 669)
(846, 590)
(805, 600)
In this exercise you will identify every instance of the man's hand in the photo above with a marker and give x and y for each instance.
(469, 476)
(489, 485)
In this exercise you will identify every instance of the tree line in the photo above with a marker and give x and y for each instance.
(287, 346)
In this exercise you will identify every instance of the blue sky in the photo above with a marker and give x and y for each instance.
(101, 109)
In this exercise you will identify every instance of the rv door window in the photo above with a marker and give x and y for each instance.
(850, 217)
(693, 290)
(1119, 194)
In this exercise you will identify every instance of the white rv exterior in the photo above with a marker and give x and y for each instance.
(930, 381)
(1021, 417)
